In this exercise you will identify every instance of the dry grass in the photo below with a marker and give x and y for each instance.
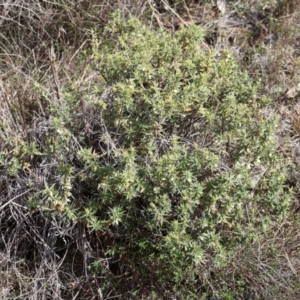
(269, 269)
(41, 42)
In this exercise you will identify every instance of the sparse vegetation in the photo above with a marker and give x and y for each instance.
(149, 150)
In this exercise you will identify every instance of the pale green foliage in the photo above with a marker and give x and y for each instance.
(184, 167)
(194, 169)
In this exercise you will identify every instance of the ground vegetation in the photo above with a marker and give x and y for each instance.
(149, 149)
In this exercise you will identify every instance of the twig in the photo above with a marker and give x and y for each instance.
(11, 200)
(55, 74)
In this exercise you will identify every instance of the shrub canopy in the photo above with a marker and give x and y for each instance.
(173, 159)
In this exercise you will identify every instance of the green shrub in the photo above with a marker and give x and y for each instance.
(177, 161)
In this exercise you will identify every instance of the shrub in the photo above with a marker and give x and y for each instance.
(173, 164)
